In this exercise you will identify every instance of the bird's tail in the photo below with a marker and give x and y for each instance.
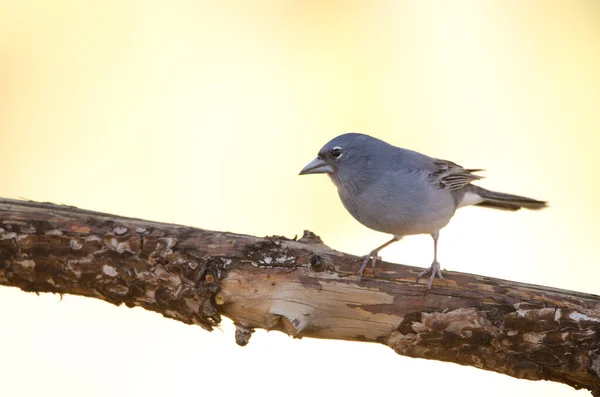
(504, 201)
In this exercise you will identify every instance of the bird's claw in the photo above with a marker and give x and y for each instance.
(372, 256)
(435, 270)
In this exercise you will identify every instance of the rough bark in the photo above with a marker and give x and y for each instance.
(302, 288)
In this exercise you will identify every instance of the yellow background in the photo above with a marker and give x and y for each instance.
(203, 113)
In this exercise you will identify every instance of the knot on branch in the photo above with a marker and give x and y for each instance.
(243, 334)
(310, 238)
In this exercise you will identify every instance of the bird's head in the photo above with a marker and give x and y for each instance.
(344, 156)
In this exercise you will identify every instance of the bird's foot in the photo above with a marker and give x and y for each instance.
(372, 256)
(435, 270)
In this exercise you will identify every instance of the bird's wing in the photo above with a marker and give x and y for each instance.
(452, 176)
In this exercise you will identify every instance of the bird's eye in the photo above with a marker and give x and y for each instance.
(336, 152)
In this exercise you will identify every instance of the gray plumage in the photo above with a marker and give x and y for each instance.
(402, 192)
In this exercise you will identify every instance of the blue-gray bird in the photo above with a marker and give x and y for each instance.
(402, 192)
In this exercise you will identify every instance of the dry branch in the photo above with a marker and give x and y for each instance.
(302, 288)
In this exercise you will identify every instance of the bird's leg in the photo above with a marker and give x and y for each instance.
(373, 256)
(434, 269)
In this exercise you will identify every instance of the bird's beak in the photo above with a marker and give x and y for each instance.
(317, 166)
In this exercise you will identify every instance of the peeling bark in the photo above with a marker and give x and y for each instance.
(302, 288)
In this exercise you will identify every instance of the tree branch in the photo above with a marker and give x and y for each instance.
(302, 288)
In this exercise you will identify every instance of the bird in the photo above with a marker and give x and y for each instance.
(402, 192)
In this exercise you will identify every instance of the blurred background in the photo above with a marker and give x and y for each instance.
(203, 112)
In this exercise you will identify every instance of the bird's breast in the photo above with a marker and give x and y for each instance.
(400, 204)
